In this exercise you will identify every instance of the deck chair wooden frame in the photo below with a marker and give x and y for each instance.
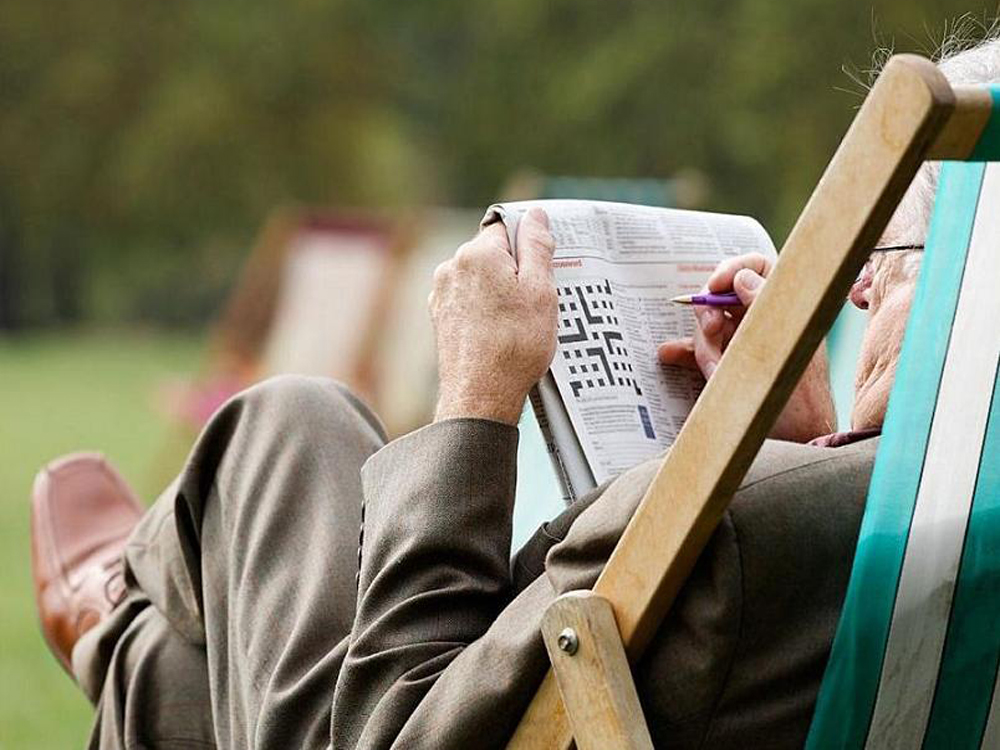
(911, 115)
(241, 337)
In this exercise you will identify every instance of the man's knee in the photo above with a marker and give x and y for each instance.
(314, 406)
(289, 437)
(287, 449)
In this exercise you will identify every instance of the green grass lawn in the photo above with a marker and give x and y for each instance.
(61, 393)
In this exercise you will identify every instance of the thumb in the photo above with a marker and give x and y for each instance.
(534, 245)
(679, 352)
(747, 285)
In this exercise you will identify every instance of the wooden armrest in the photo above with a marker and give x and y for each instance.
(593, 674)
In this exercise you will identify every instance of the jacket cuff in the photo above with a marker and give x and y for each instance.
(454, 477)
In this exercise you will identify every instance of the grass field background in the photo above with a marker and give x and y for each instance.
(62, 393)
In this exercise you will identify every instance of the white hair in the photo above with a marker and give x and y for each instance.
(968, 55)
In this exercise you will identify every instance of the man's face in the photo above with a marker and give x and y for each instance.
(885, 289)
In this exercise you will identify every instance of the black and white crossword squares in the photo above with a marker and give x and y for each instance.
(590, 338)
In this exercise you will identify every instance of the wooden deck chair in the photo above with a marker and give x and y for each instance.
(311, 299)
(911, 114)
(323, 281)
(405, 363)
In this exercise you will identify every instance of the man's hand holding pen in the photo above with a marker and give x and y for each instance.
(809, 412)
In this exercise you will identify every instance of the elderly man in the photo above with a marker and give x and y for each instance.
(240, 612)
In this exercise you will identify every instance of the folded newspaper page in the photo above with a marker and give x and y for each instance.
(607, 403)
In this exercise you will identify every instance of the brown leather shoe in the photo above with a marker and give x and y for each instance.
(82, 512)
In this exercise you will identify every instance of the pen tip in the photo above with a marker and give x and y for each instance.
(683, 299)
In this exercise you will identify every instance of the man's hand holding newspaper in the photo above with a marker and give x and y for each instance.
(495, 321)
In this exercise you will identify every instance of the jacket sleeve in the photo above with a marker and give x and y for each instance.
(434, 570)
(443, 658)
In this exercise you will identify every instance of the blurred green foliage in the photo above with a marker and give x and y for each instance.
(141, 144)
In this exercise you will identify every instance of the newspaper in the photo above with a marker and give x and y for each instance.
(606, 403)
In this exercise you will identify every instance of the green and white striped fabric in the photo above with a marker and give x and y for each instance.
(915, 658)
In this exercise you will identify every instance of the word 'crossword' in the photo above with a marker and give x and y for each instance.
(590, 338)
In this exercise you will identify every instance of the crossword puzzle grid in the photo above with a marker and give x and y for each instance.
(589, 338)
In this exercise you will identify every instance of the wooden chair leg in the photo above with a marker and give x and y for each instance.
(593, 674)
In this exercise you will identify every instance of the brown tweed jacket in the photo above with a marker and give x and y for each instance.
(445, 651)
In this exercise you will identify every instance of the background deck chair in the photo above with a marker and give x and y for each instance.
(915, 657)
(405, 359)
(312, 296)
(340, 293)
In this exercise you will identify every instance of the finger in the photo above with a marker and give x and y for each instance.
(535, 246)
(679, 352)
(722, 277)
(709, 347)
(495, 238)
(747, 284)
(494, 235)
(710, 319)
(707, 354)
(488, 249)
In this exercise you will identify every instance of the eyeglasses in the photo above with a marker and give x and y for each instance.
(894, 248)
(877, 252)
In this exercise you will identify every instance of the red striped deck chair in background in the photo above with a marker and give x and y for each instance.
(311, 300)
(405, 360)
(340, 294)
(914, 661)
(312, 297)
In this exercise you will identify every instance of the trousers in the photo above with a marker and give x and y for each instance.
(241, 581)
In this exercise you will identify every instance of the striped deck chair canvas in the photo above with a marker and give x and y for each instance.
(915, 660)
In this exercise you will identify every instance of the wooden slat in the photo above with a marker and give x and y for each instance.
(593, 677)
(973, 106)
(843, 219)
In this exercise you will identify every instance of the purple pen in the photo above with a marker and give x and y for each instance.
(726, 299)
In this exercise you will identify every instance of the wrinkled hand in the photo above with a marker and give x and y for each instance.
(809, 412)
(715, 327)
(495, 321)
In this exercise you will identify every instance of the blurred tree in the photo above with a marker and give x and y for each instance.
(142, 145)
(10, 276)
(746, 91)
